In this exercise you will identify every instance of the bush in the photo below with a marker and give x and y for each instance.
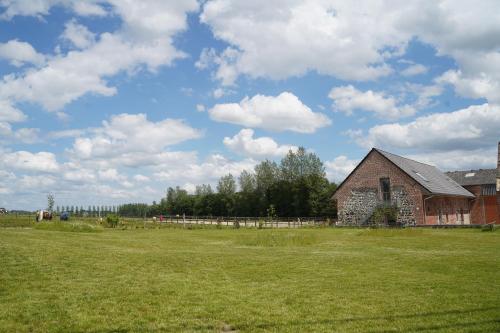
(385, 214)
(488, 227)
(112, 220)
(261, 224)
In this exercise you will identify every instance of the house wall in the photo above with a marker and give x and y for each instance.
(483, 209)
(360, 193)
(454, 210)
(498, 186)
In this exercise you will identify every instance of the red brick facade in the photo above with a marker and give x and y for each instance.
(446, 210)
(362, 187)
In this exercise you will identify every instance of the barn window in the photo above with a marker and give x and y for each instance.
(385, 186)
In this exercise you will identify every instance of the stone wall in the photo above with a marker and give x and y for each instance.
(359, 206)
(406, 207)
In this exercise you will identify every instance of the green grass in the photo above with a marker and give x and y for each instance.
(307, 280)
(67, 226)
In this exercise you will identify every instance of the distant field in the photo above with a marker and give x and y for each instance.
(300, 280)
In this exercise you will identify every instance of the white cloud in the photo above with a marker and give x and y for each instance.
(42, 7)
(35, 183)
(23, 160)
(145, 40)
(22, 135)
(351, 40)
(141, 178)
(80, 175)
(474, 127)
(208, 171)
(8, 113)
(460, 159)
(480, 85)
(27, 135)
(282, 38)
(244, 143)
(339, 168)
(414, 69)
(20, 53)
(111, 174)
(79, 35)
(71, 133)
(130, 134)
(347, 99)
(200, 107)
(281, 113)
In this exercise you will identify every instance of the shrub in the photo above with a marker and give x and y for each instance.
(261, 224)
(385, 214)
(112, 220)
(488, 227)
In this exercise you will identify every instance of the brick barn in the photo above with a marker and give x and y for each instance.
(420, 192)
(481, 183)
(485, 185)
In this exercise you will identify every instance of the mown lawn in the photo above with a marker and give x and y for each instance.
(307, 280)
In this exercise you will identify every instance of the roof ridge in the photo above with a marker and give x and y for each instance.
(406, 158)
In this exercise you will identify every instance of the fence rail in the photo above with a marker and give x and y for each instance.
(254, 222)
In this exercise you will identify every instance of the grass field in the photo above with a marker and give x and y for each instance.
(306, 280)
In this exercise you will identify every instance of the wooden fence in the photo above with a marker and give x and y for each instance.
(245, 222)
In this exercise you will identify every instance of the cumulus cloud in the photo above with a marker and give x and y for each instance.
(19, 53)
(347, 99)
(351, 41)
(460, 159)
(469, 128)
(130, 134)
(143, 41)
(79, 35)
(141, 178)
(265, 147)
(24, 160)
(478, 85)
(22, 135)
(40, 8)
(284, 112)
(207, 171)
(339, 168)
(414, 69)
(288, 38)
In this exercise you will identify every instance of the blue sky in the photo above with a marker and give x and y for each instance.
(112, 101)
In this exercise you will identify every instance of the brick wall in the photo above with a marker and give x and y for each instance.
(476, 205)
(360, 193)
(498, 185)
(454, 210)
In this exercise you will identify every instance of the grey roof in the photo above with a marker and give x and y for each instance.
(428, 176)
(474, 177)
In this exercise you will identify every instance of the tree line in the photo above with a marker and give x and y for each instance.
(296, 186)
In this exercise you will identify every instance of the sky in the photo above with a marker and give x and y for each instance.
(104, 102)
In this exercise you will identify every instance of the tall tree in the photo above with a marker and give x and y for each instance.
(226, 185)
(50, 202)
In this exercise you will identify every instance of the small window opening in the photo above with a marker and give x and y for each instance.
(385, 186)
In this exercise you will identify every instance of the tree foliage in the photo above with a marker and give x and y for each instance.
(297, 186)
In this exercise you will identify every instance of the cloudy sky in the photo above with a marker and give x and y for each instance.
(112, 101)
